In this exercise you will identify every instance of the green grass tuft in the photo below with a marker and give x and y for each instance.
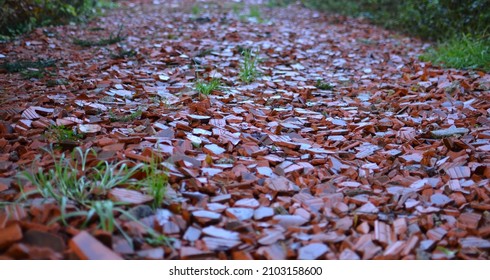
(60, 133)
(248, 69)
(133, 116)
(112, 39)
(463, 52)
(206, 88)
(323, 86)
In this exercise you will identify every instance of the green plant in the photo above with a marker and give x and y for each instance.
(323, 86)
(155, 182)
(60, 133)
(23, 65)
(196, 10)
(56, 82)
(206, 88)
(131, 117)
(112, 39)
(279, 3)
(248, 67)
(254, 12)
(71, 177)
(461, 52)
(63, 181)
(20, 16)
(124, 54)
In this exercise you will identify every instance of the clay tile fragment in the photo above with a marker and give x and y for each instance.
(86, 247)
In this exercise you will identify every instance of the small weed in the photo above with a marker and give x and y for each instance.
(112, 39)
(237, 8)
(323, 86)
(196, 10)
(248, 68)
(56, 82)
(155, 182)
(204, 52)
(158, 240)
(465, 52)
(279, 3)
(60, 133)
(206, 88)
(71, 178)
(133, 116)
(24, 65)
(255, 13)
(32, 73)
(124, 54)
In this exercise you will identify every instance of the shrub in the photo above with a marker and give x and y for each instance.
(433, 19)
(20, 16)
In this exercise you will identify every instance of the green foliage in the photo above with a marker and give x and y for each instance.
(124, 54)
(72, 179)
(460, 26)
(255, 13)
(155, 182)
(112, 39)
(22, 65)
(20, 16)
(131, 117)
(196, 10)
(206, 88)
(60, 133)
(323, 86)
(279, 3)
(434, 19)
(461, 52)
(248, 69)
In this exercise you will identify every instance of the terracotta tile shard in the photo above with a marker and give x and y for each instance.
(312, 251)
(247, 203)
(366, 246)
(218, 244)
(263, 212)
(400, 226)
(459, 172)
(382, 233)
(410, 245)
(220, 233)
(194, 253)
(204, 217)
(241, 255)
(287, 221)
(5, 184)
(273, 252)
(439, 200)
(469, 220)
(474, 242)
(436, 234)
(86, 247)
(367, 208)
(393, 251)
(280, 184)
(348, 254)
(192, 234)
(44, 239)
(10, 235)
(89, 128)
(213, 149)
(271, 237)
(128, 196)
(239, 213)
(151, 254)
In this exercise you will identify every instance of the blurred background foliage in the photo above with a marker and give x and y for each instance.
(21, 16)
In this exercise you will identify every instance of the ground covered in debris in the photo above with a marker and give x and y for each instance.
(175, 130)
